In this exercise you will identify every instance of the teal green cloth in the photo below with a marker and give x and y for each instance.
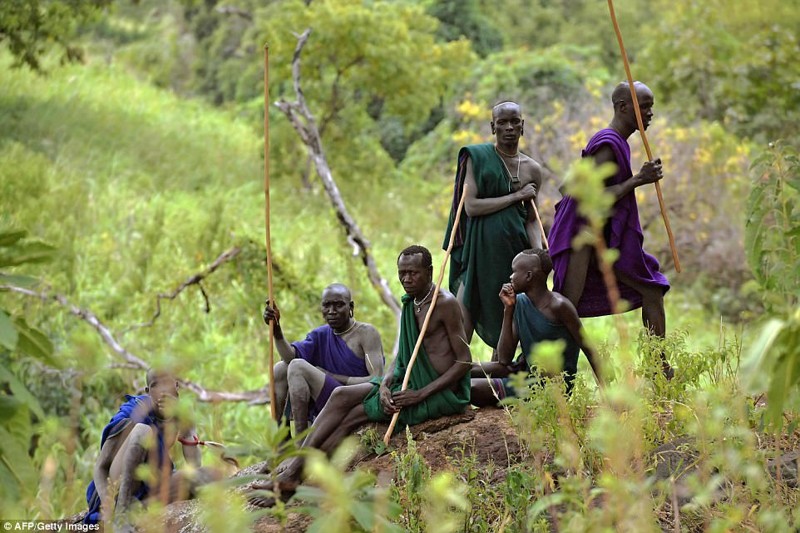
(446, 402)
(485, 245)
(533, 327)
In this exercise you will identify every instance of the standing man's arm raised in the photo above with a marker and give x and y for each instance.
(531, 224)
(477, 207)
(286, 350)
(508, 333)
(651, 172)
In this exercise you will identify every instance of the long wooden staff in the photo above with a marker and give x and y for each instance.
(271, 357)
(642, 133)
(424, 327)
(541, 227)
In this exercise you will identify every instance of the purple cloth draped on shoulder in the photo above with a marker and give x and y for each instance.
(323, 348)
(623, 232)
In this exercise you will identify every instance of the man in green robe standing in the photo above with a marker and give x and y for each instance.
(500, 221)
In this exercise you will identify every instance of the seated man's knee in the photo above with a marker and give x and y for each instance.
(340, 398)
(299, 367)
(279, 370)
(141, 440)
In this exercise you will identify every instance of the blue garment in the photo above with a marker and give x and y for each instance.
(136, 410)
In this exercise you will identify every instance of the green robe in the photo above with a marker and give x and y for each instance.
(446, 402)
(485, 246)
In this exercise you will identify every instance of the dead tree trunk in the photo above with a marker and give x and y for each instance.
(303, 122)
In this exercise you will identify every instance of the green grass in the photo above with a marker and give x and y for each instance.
(139, 189)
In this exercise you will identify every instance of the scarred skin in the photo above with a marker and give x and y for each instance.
(448, 352)
(301, 382)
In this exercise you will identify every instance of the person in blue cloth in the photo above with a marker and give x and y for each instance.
(531, 314)
(141, 432)
(342, 352)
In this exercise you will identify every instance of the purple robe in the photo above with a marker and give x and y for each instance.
(323, 348)
(622, 232)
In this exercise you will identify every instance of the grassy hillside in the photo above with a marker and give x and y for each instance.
(138, 190)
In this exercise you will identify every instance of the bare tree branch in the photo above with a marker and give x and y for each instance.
(132, 361)
(303, 122)
(233, 10)
(195, 279)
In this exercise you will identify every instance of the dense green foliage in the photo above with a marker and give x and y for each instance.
(31, 27)
(144, 165)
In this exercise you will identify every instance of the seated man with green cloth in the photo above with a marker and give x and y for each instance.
(439, 383)
(531, 314)
(499, 223)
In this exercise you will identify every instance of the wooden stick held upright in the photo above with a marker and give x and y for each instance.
(635, 100)
(424, 327)
(541, 227)
(271, 356)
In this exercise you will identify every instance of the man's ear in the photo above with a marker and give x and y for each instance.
(522, 128)
(493, 130)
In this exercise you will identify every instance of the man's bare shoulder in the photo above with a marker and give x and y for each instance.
(367, 329)
(562, 307)
(446, 303)
(367, 334)
(531, 169)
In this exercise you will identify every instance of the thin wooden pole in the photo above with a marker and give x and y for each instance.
(425, 322)
(638, 112)
(271, 356)
(541, 227)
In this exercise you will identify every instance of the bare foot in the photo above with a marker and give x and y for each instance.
(266, 494)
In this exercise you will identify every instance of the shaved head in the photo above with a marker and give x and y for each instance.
(507, 104)
(622, 92)
(533, 254)
(338, 288)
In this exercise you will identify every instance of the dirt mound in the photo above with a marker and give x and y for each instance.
(485, 433)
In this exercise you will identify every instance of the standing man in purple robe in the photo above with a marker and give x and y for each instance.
(342, 352)
(577, 275)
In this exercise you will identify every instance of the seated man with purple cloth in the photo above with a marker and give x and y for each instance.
(577, 275)
(342, 352)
